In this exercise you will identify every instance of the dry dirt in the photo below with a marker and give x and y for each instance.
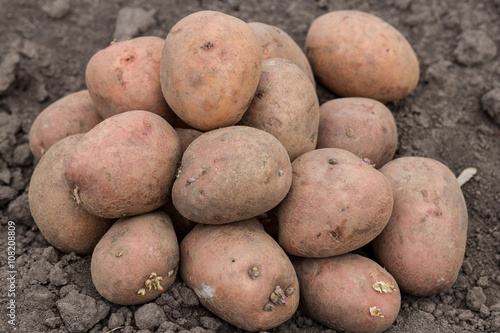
(453, 116)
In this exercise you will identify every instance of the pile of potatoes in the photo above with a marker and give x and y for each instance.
(207, 154)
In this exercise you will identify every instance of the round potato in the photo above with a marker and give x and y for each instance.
(285, 105)
(64, 224)
(124, 77)
(72, 114)
(276, 43)
(363, 126)
(125, 165)
(356, 54)
(348, 293)
(423, 245)
(241, 274)
(246, 172)
(136, 260)
(210, 69)
(337, 203)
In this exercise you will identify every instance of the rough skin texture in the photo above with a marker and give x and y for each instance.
(362, 126)
(337, 203)
(423, 244)
(339, 292)
(227, 185)
(234, 269)
(64, 224)
(130, 252)
(356, 54)
(285, 105)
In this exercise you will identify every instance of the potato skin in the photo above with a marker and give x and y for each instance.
(339, 291)
(343, 48)
(187, 135)
(130, 252)
(423, 245)
(276, 43)
(71, 114)
(363, 126)
(337, 203)
(64, 224)
(124, 76)
(285, 105)
(246, 173)
(210, 69)
(234, 269)
(139, 142)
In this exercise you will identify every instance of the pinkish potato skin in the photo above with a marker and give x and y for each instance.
(337, 203)
(127, 255)
(285, 105)
(362, 126)
(64, 224)
(338, 292)
(125, 76)
(72, 114)
(276, 43)
(216, 261)
(125, 165)
(423, 244)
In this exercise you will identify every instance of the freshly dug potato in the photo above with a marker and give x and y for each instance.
(348, 293)
(187, 135)
(124, 77)
(125, 165)
(137, 259)
(423, 245)
(210, 69)
(231, 174)
(337, 203)
(363, 126)
(276, 43)
(356, 54)
(64, 224)
(241, 274)
(285, 105)
(72, 114)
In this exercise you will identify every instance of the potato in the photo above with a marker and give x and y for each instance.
(240, 273)
(186, 136)
(182, 225)
(356, 54)
(210, 69)
(72, 114)
(337, 203)
(348, 293)
(64, 224)
(285, 105)
(423, 244)
(125, 165)
(231, 174)
(137, 259)
(362, 126)
(276, 43)
(124, 77)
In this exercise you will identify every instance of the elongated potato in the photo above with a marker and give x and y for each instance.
(423, 245)
(137, 259)
(64, 224)
(240, 273)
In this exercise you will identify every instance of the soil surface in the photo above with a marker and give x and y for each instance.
(453, 116)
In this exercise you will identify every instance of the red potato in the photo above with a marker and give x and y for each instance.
(210, 69)
(136, 260)
(72, 114)
(125, 76)
(125, 165)
(64, 224)
(240, 273)
(348, 293)
(423, 245)
(362, 126)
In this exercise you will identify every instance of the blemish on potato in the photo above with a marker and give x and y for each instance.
(75, 195)
(170, 273)
(253, 272)
(278, 296)
(383, 287)
(141, 292)
(207, 46)
(268, 307)
(376, 312)
(119, 254)
(349, 132)
(289, 291)
(280, 172)
(332, 161)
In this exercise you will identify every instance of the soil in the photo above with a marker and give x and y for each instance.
(453, 116)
